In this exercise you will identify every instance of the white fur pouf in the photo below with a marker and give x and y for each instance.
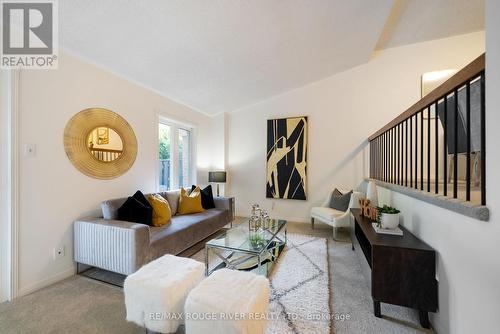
(156, 293)
(229, 302)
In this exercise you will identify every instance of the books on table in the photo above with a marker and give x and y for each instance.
(380, 230)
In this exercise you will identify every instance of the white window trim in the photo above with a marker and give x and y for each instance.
(175, 125)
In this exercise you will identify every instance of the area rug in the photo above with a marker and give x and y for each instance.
(300, 294)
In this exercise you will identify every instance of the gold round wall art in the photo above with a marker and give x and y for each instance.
(100, 143)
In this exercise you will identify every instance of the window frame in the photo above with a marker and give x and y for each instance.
(174, 151)
(190, 154)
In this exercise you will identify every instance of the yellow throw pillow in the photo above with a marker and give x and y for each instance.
(161, 210)
(190, 203)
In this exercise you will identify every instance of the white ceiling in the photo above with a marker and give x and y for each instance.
(222, 55)
(413, 21)
(217, 56)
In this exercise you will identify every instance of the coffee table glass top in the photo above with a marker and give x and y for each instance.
(240, 239)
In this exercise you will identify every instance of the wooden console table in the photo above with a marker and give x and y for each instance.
(402, 269)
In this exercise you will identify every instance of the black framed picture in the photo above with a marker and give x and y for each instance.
(287, 158)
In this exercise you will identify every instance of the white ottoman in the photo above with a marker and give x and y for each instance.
(156, 293)
(228, 301)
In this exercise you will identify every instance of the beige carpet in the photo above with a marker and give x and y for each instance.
(80, 305)
(300, 293)
(76, 305)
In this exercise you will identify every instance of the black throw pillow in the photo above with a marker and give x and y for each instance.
(207, 197)
(340, 201)
(144, 201)
(141, 198)
(134, 211)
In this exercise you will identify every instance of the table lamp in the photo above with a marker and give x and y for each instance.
(217, 177)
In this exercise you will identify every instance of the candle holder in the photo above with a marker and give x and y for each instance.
(265, 220)
(254, 223)
(256, 209)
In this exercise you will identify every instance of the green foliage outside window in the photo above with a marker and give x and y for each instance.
(164, 143)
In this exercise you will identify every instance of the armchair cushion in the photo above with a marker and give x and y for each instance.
(340, 201)
(326, 214)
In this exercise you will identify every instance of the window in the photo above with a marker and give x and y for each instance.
(184, 170)
(165, 148)
(175, 156)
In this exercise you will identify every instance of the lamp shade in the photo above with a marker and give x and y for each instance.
(371, 193)
(218, 177)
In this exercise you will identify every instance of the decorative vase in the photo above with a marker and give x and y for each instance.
(266, 222)
(254, 223)
(264, 219)
(256, 209)
(372, 194)
(389, 220)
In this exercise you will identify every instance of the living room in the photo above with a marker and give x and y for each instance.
(197, 88)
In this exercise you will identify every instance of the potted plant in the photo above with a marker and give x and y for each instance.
(388, 217)
(256, 240)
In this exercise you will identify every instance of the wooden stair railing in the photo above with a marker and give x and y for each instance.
(104, 154)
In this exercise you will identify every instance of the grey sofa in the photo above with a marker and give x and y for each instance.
(123, 247)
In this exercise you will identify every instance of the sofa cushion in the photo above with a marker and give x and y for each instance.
(185, 231)
(110, 208)
(172, 197)
(161, 209)
(134, 211)
(190, 203)
(207, 197)
(141, 198)
(148, 214)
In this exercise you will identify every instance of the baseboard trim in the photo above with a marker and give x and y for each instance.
(46, 282)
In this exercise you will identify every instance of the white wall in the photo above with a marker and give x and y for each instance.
(468, 256)
(4, 186)
(343, 111)
(218, 150)
(53, 192)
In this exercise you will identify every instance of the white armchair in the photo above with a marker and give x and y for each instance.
(335, 218)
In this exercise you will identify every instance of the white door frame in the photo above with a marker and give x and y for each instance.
(9, 133)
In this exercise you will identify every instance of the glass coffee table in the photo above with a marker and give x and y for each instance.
(240, 249)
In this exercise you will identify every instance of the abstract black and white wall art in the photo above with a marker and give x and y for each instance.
(287, 158)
